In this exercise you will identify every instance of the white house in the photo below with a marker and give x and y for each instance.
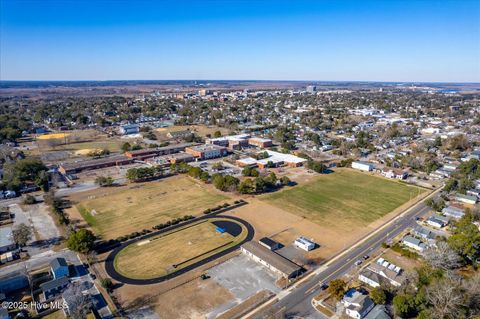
(363, 166)
(467, 199)
(437, 221)
(454, 212)
(413, 243)
(357, 305)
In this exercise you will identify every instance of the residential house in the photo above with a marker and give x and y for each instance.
(437, 221)
(413, 243)
(423, 233)
(357, 305)
(59, 268)
(378, 312)
(53, 288)
(454, 212)
(467, 199)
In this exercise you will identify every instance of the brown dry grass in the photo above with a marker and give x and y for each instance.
(117, 211)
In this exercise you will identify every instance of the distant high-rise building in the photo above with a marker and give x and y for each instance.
(205, 92)
(311, 89)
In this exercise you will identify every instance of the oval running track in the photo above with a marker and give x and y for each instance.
(112, 272)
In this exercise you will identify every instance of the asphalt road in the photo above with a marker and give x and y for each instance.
(297, 303)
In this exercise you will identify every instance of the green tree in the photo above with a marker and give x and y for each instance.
(337, 288)
(378, 295)
(81, 241)
(126, 147)
(217, 134)
(246, 187)
(404, 305)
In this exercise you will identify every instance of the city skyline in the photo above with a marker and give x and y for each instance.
(418, 41)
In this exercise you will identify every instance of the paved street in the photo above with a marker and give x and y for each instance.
(296, 300)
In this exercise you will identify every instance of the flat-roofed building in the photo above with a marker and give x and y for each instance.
(77, 167)
(269, 243)
(158, 151)
(207, 151)
(305, 244)
(273, 261)
(247, 161)
(6, 239)
(363, 166)
(260, 142)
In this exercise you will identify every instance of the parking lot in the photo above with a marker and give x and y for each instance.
(244, 278)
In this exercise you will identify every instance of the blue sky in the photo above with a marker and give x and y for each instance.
(266, 40)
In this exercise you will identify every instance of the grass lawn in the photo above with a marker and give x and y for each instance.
(119, 211)
(344, 197)
(179, 247)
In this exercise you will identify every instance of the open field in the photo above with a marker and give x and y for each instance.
(201, 130)
(52, 136)
(344, 196)
(174, 250)
(116, 211)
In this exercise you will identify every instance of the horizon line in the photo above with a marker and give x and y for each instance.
(246, 80)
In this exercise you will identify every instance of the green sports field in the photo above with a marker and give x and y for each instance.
(344, 197)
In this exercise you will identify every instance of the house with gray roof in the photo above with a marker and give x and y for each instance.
(414, 243)
(454, 212)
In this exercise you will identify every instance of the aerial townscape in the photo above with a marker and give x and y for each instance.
(221, 198)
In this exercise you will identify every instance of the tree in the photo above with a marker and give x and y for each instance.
(79, 304)
(337, 288)
(446, 298)
(21, 234)
(285, 180)
(465, 238)
(104, 181)
(442, 256)
(404, 305)
(217, 134)
(378, 295)
(107, 284)
(29, 200)
(246, 187)
(126, 147)
(81, 241)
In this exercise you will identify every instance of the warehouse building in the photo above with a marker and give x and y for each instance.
(273, 261)
(207, 151)
(158, 151)
(363, 166)
(77, 167)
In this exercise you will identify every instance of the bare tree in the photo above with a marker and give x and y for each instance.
(79, 303)
(21, 234)
(472, 290)
(447, 298)
(443, 256)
